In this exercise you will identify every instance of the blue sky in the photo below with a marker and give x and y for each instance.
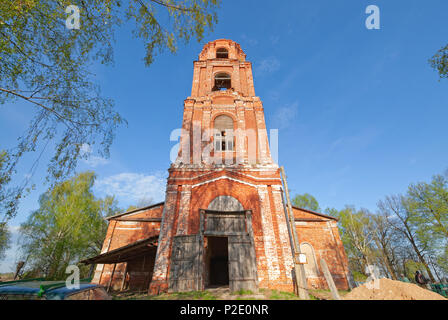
(360, 113)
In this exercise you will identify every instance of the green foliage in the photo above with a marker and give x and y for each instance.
(429, 205)
(440, 62)
(48, 65)
(5, 236)
(306, 201)
(411, 267)
(3, 160)
(359, 276)
(332, 212)
(442, 260)
(357, 235)
(187, 19)
(68, 226)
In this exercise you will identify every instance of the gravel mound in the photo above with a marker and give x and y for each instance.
(392, 290)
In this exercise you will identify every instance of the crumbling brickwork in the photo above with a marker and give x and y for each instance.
(125, 229)
(321, 232)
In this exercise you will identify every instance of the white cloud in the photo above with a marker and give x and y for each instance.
(131, 188)
(85, 149)
(285, 115)
(92, 161)
(267, 65)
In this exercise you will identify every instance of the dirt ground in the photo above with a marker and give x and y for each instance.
(392, 290)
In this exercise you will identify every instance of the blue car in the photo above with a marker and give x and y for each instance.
(39, 289)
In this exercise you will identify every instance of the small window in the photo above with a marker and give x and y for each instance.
(224, 141)
(222, 53)
(224, 133)
(222, 82)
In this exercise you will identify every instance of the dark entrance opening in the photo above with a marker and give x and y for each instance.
(217, 261)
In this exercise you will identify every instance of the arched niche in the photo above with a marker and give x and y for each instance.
(225, 204)
(311, 268)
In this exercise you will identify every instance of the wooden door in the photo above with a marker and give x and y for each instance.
(225, 224)
(242, 263)
(186, 264)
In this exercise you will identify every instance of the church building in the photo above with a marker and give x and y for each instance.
(224, 220)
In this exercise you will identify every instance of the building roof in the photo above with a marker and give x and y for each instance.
(162, 203)
(126, 253)
(316, 213)
(135, 210)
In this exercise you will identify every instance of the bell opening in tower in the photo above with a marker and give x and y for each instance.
(222, 53)
(222, 82)
(217, 261)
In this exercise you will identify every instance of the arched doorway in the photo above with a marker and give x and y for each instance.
(217, 247)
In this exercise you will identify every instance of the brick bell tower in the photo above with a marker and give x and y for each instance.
(223, 222)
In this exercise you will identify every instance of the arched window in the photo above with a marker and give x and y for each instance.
(222, 82)
(222, 53)
(223, 133)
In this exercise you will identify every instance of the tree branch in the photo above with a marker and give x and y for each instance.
(162, 3)
(58, 115)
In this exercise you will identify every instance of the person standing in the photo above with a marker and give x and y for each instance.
(404, 278)
(420, 279)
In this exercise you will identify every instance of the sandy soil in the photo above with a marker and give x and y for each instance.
(392, 290)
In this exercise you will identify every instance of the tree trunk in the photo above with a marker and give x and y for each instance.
(389, 266)
(422, 260)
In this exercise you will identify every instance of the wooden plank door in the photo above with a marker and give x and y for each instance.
(186, 264)
(242, 263)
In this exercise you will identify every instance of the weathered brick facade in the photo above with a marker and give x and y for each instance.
(235, 163)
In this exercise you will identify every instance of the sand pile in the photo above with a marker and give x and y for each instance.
(392, 290)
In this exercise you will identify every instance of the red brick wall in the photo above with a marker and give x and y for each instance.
(122, 233)
(323, 235)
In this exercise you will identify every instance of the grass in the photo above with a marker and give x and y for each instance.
(279, 295)
(243, 292)
(192, 295)
(321, 294)
(262, 294)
